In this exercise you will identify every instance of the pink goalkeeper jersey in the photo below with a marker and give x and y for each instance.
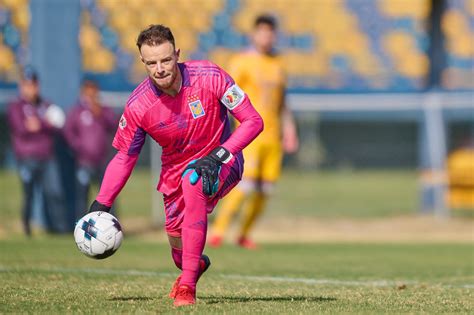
(187, 126)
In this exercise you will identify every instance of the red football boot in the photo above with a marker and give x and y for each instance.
(204, 264)
(246, 243)
(215, 241)
(185, 295)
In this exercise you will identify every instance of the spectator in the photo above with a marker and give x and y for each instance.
(89, 125)
(33, 123)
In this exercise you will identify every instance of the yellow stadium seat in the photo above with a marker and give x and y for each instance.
(7, 59)
(89, 38)
(454, 22)
(98, 60)
(418, 9)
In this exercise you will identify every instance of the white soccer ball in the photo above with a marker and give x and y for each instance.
(55, 116)
(98, 234)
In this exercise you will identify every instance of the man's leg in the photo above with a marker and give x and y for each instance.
(233, 202)
(27, 177)
(270, 164)
(230, 206)
(194, 227)
(193, 232)
(54, 199)
(83, 181)
(177, 255)
(252, 212)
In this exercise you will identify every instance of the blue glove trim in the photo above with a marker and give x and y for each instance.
(215, 187)
(194, 177)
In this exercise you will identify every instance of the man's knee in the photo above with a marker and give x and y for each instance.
(175, 242)
(188, 188)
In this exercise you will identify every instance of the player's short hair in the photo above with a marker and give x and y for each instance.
(155, 34)
(266, 19)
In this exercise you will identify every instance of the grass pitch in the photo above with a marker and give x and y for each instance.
(48, 274)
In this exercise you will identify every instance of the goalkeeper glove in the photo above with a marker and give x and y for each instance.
(97, 206)
(208, 169)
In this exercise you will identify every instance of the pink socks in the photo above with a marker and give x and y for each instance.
(194, 229)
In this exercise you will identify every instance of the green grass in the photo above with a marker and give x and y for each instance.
(348, 194)
(330, 194)
(49, 274)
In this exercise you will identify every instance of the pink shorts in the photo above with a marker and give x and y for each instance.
(229, 176)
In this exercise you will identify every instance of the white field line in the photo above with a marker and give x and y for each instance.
(311, 281)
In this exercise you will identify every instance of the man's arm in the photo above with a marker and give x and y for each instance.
(128, 141)
(110, 118)
(69, 130)
(116, 175)
(290, 134)
(251, 125)
(208, 167)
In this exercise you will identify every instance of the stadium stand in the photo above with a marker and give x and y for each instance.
(458, 28)
(336, 46)
(14, 22)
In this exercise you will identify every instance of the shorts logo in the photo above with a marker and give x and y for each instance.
(196, 107)
(233, 97)
(122, 122)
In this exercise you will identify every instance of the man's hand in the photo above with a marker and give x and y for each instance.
(97, 206)
(32, 124)
(208, 169)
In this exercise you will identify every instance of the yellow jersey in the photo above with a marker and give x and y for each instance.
(263, 78)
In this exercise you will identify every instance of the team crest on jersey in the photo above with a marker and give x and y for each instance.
(122, 122)
(233, 97)
(196, 107)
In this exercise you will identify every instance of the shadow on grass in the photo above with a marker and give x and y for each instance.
(131, 298)
(244, 299)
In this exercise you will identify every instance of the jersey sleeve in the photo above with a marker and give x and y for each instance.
(237, 102)
(130, 136)
(227, 91)
(116, 175)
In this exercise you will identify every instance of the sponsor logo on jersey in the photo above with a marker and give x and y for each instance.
(233, 97)
(122, 122)
(196, 107)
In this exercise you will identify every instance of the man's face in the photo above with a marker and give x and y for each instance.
(264, 38)
(161, 63)
(90, 92)
(29, 90)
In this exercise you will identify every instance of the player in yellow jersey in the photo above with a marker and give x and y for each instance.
(260, 72)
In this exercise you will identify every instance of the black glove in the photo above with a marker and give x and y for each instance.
(97, 206)
(208, 168)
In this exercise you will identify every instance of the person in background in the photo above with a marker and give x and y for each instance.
(88, 130)
(33, 124)
(259, 71)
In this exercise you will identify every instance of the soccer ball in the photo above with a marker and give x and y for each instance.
(98, 234)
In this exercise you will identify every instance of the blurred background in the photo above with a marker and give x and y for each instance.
(382, 92)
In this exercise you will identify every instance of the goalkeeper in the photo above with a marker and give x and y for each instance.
(184, 107)
(260, 73)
